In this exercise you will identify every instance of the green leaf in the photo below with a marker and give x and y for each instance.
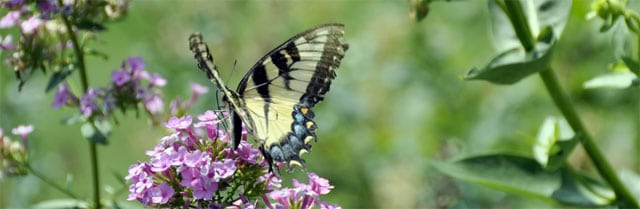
(632, 180)
(513, 65)
(546, 19)
(61, 203)
(632, 65)
(621, 41)
(525, 177)
(632, 24)
(90, 25)
(97, 132)
(561, 151)
(76, 118)
(58, 77)
(539, 14)
(554, 143)
(615, 80)
(96, 53)
(548, 13)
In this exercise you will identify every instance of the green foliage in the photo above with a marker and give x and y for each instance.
(514, 62)
(524, 176)
(61, 203)
(394, 106)
(96, 131)
(554, 143)
(58, 77)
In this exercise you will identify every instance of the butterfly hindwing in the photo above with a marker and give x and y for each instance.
(275, 97)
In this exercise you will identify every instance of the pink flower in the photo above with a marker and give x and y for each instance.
(179, 123)
(136, 63)
(22, 130)
(154, 104)
(88, 102)
(12, 18)
(120, 77)
(157, 80)
(7, 43)
(210, 121)
(161, 194)
(62, 96)
(325, 205)
(248, 153)
(30, 26)
(199, 89)
(318, 184)
(273, 182)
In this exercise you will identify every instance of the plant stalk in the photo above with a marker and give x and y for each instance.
(637, 111)
(561, 99)
(520, 24)
(514, 11)
(85, 86)
(50, 182)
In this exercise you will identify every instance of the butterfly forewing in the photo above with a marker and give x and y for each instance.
(278, 92)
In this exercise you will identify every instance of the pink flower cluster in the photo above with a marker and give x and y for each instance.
(43, 26)
(130, 86)
(188, 161)
(303, 196)
(194, 167)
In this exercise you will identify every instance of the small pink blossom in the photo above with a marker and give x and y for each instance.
(157, 80)
(7, 43)
(30, 26)
(12, 18)
(179, 123)
(120, 77)
(62, 96)
(154, 104)
(136, 63)
(199, 89)
(161, 194)
(22, 130)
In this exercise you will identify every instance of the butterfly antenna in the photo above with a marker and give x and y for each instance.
(235, 62)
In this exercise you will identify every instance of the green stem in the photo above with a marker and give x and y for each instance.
(637, 121)
(94, 173)
(561, 99)
(85, 86)
(79, 53)
(637, 107)
(519, 22)
(50, 182)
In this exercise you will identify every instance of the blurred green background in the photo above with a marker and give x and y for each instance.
(397, 104)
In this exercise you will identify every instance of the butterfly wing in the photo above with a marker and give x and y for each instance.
(236, 105)
(282, 87)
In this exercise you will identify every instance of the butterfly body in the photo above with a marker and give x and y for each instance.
(275, 97)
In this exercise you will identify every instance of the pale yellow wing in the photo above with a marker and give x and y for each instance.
(280, 90)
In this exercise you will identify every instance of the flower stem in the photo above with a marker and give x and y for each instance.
(85, 86)
(49, 182)
(604, 168)
(637, 121)
(516, 15)
(637, 108)
(514, 11)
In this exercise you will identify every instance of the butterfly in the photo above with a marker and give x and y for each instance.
(275, 97)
